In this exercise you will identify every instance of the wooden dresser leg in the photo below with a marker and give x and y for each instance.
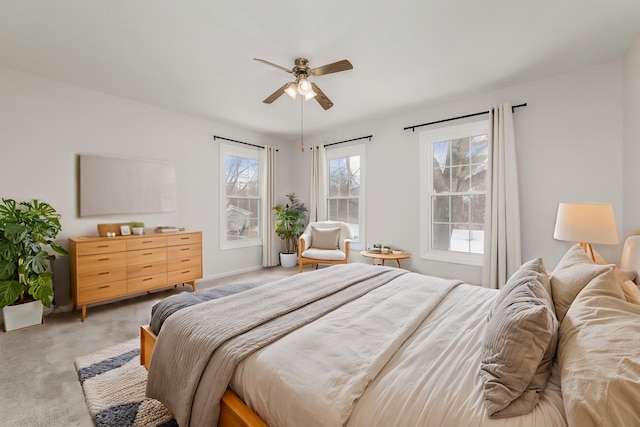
(84, 313)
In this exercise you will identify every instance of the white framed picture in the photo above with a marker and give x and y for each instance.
(125, 230)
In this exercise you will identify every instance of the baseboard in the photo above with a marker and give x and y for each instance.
(230, 273)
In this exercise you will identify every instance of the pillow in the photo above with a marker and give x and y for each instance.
(598, 356)
(325, 238)
(572, 273)
(519, 343)
(533, 274)
(624, 277)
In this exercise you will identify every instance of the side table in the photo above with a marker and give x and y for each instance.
(388, 256)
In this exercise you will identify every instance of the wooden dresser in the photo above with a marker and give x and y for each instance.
(104, 268)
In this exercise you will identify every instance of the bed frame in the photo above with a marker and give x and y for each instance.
(233, 411)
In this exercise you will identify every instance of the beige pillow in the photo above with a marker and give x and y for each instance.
(598, 356)
(519, 343)
(624, 278)
(572, 273)
(325, 238)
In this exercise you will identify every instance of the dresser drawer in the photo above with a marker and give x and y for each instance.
(146, 242)
(184, 239)
(101, 247)
(102, 291)
(102, 262)
(177, 252)
(95, 277)
(146, 256)
(184, 275)
(146, 283)
(140, 270)
(185, 262)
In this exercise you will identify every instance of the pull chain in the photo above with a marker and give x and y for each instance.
(302, 124)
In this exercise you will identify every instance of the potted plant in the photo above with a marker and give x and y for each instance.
(137, 227)
(289, 227)
(26, 230)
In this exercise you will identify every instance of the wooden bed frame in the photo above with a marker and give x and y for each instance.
(233, 411)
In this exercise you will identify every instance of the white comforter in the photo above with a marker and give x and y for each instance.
(406, 354)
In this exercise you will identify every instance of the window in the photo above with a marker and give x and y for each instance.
(345, 195)
(240, 197)
(453, 183)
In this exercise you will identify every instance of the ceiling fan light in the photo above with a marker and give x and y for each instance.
(304, 86)
(309, 95)
(291, 90)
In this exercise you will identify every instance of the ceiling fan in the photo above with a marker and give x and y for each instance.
(301, 85)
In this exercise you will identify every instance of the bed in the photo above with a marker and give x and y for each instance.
(359, 345)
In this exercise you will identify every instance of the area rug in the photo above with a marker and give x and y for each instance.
(114, 383)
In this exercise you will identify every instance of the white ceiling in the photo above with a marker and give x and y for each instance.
(195, 56)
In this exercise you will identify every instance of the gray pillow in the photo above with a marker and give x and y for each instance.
(325, 238)
(519, 343)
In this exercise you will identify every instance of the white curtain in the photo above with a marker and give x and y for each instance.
(502, 228)
(318, 204)
(270, 239)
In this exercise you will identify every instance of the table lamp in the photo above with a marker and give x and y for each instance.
(586, 223)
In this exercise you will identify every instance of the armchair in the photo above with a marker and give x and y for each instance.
(324, 242)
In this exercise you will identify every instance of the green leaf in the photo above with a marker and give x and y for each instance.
(59, 249)
(7, 269)
(10, 291)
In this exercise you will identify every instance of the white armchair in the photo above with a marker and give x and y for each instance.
(324, 242)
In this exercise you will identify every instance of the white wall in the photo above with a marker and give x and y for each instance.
(44, 124)
(569, 142)
(632, 141)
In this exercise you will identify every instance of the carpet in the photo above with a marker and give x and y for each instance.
(114, 383)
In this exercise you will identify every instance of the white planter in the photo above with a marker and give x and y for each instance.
(288, 260)
(137, 230)
(22, 315)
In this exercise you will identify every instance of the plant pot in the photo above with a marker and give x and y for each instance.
(288, 260)
(22, 315)
(137, 230)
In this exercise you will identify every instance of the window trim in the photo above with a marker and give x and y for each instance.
(427, 138)
(347, 151)
(250, 153)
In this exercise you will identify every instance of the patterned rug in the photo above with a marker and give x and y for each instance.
(114, 385)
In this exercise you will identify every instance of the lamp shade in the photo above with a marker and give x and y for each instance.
(592, 223)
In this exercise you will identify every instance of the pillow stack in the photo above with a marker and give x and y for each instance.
(519, 343)
(598, 351)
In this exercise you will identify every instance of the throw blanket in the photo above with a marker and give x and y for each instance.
(168, 306)
(199, 346)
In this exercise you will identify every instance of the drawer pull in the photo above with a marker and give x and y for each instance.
(147, 279)
(103, 287)
(147, 266)
(103, 246)
(184, 249)
(104, 259)
(147, 241)
(186, 271)
(184, 260)
(104, 273)
(184, 238)
(148, 253)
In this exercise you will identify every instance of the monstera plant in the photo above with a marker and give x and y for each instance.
(27, 229)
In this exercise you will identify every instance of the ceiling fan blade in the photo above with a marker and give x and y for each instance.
(277, 94)
(332, 68)
(273, 65)
(321, 97)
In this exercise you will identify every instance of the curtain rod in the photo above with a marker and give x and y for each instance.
(413, 128)
(239, 142)
(348, 140)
